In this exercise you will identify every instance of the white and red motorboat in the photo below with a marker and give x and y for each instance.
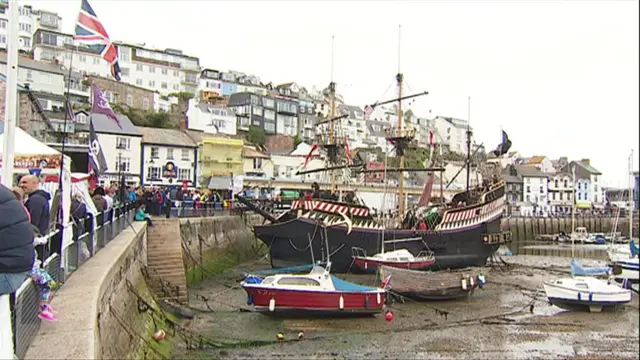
(401, 258)
(317, 293)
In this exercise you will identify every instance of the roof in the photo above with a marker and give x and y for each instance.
(195, 135)
(105, 125)
(588, 168)
(382, 125)
(250, 152)
(535, 160)
(279, 144)
(529, 171)
(173, 137)
(353, 111)
(34, 65)
(510, 179)
(49, 96)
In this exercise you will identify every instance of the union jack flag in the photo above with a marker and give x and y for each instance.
(90, 31)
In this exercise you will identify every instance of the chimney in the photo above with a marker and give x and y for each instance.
(586, 161)
(183, 124)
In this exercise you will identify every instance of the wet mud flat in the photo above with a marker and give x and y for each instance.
(496, 322)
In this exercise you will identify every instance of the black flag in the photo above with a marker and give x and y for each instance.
(504, 146)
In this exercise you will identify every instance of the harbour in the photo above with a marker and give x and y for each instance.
(509, 318)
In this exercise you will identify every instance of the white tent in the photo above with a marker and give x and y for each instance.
(30, 153)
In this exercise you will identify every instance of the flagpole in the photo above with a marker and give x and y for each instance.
(10, 119)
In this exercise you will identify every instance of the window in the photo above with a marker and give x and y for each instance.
(123, 143)
(155, 153)
(152, 69)
(3, 39)
(164, 85)
(528, 188)
(145, 104)
(555, 183)
(268, 102)
(257, 163)
(139, 82)
(165, 72)
(257, 110)
(125, 71)
(129, 100)
(595, 198)
(269, 114)
(595, 188)
(579, 196)
(49, 39)
(190, 78)
(49, 19)
(139, 67)
(528, 180)
(270, 127)
(81, 118)
(124, 165)
(185, 155)
(26, 42)
(24, 11)
(3, 24)
(25, 27)
(184, 174)
(541, 189)
(553, 196)
(29, 75)
(176, 73)
(82, 58)
(176, 87)
(153, 172)
(528, 198)
(566, 184)
(298, 281)
(124, 54)
(170, 154)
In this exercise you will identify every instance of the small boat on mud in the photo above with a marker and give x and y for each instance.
(585, 293)
(315, 294)
(401, 258)
(439, 285)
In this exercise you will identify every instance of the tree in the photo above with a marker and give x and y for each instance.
(256, 135)
(296, 141)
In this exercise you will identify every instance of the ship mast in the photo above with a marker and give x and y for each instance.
(332, 114)
(399, 78)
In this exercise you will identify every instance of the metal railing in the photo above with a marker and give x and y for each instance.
(89, 237)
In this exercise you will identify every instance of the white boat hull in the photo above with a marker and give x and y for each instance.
(585, 293)
(630, 266)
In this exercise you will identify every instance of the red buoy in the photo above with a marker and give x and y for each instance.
(388, 316)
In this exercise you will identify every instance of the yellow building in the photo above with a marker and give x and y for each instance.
(220, 159)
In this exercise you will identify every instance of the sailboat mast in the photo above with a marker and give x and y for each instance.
(631, 204)
(573, 210)
(399, 80)
(11, 97)
(332, 114)
(468, 141)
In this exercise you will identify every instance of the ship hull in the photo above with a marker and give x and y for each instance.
(290, 245)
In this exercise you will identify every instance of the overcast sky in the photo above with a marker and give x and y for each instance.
(561, 77)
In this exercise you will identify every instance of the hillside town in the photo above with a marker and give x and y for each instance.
(190, 124)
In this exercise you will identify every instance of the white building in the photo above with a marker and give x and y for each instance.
(29, 21)
(286, 166)
(589, 189)
(166, 71)
(354, 127)
(256, 164)
(212, 119)
(163, 103)
(168, 157)
(535, 190)
(41, 77)
(121, 148)
(505, 160)
(560, 192)
(453, 132)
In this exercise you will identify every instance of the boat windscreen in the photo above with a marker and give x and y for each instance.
(342, 285)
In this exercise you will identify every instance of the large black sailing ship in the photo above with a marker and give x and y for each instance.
(463, 232)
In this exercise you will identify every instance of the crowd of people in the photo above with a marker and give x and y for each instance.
(24, 223)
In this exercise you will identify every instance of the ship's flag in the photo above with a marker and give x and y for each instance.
(347, 151)
(97, 161)
(504, 146)
(100, 105)
(432, 143)
(89, 30)
(308, 158)
(368, 110)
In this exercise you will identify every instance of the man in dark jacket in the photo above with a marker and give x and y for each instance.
(37, 203)
(16, 243)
